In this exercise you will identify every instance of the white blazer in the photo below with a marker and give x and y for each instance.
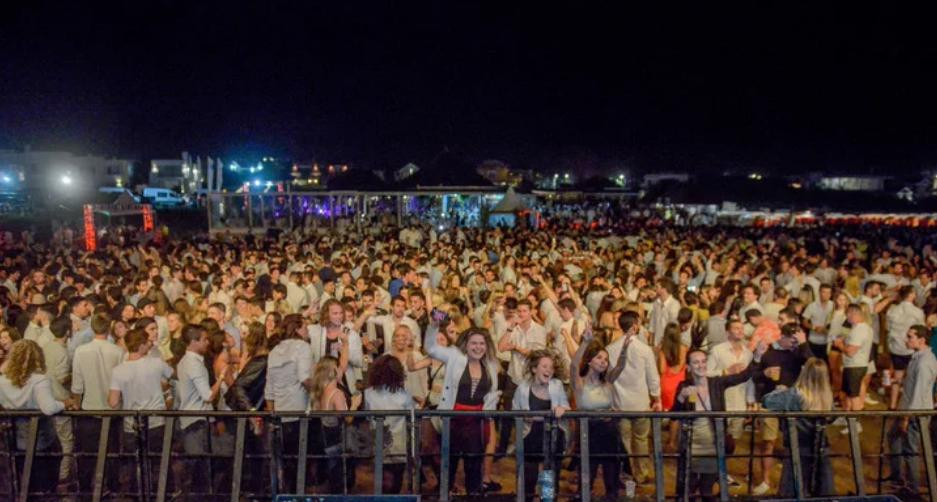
(317, 339)
(557, 398)
(456, 361)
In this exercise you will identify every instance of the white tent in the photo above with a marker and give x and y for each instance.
(510, 203)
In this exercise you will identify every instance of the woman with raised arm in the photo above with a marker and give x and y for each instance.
(471, 384)
(591, 379)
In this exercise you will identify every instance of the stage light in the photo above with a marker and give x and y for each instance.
(66, 180)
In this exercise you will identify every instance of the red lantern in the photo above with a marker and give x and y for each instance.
(147, 218)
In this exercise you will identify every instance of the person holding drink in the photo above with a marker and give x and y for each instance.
(700, 392)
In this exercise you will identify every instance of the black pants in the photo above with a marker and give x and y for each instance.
(87, 437)
(467, 442)
(603, 444)
(45, 470)
(819, 351)
(393, 478)
(131, 472)
(289, 437)
(704, 484)
(534, 456)
(507, 424)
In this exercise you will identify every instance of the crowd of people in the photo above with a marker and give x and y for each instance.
(630, 320)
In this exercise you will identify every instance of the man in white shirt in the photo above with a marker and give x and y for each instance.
(148, 309)
(389, 323)
(899, 319)
(195, 394)
(665, 310)
(140, 383)
(637, 388)
(750, 295)
(728, 358)
(91, 380)
(857, 349)
(296, 296)
(522, 336)
(817, 315)
(58, 368)
(38, 328)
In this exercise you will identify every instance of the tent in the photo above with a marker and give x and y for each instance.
(505, 212)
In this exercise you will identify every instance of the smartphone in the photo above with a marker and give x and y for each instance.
(439, 316)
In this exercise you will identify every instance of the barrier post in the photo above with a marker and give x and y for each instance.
(444, 460)
(164, 457)
(720, 459)
(796, 467)
(656, 431)
(101, 458)
(519, 456)
(240, 434)
(585, 488)
(32, 435)
(378, 455)
(302, 451)
(856, 450)
(927, 449)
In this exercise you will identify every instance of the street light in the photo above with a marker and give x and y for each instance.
(66, 180)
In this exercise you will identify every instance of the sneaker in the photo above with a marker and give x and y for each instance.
(846, 430)
(869, 400)
(881, 391)
(733, 482)
(761, 489)
(840, 422)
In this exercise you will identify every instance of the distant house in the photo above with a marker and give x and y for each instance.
(863, 183)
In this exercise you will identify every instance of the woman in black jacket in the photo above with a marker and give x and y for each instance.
(247, 394)
(700, 392)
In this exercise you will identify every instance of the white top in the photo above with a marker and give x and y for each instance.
(389, 324)
(861, 336)
(318, 341)
(383, 400)
(662, 314)
(817, 314)
(873, 316)
(39, 334)
(91, 372)
(720, 358)
(35, 394)
(139, 383)
(899, 319)
(58, 367)
(193, 388)
(534, 338)
(456, 362)
(288, 366)
(557, 398)
(638, 380)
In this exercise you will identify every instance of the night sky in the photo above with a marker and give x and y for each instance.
(782, 87)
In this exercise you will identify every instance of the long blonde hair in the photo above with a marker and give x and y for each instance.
(24, 360)
(326, 371)
(813, 384)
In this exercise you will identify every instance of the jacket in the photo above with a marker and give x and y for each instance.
(557, 398)
(456, 361)
(717, 388)
(247, 392)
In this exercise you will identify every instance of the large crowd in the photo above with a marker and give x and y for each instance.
(630, 319)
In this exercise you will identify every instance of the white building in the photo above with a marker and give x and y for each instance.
(56, 174)
(652, 179)
(864, 183)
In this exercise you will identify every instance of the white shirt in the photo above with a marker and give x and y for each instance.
(721, 357)
(638, 380)
(193, 388)
(383, 400)
(91, 372)
(899, 319)
(861, 336)
(39, 334)
(288, 366)
(35, 394)
(534, 338)
(58, 367)
(389, 323)
(663, 313)
(139, 383)
(296, 296)
(818, 314)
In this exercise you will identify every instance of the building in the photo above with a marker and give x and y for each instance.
(60, 175)
(650, 180)
(863, 183)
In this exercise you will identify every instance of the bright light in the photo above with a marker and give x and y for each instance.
(66, 180)
(233, 166)
(6, 179)
(566, 175)
(252, 169)
(155, 169)
(269, 183)
(260, 167)
(256, 183)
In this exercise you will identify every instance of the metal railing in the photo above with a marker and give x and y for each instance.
(21, 464)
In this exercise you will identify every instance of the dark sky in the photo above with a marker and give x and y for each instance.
(771, 86)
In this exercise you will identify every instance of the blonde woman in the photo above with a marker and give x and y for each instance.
(326, 395)
(24, 385)
(835, 328)
(811, 392)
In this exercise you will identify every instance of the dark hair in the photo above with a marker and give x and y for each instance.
(592, 350)
(627, 320)
(921, 331)
(192, 333)
(386, 373)
(61, 326)
(291, 323)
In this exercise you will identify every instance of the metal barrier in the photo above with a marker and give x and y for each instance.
(20, 465)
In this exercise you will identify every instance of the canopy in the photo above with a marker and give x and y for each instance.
(510, 203)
